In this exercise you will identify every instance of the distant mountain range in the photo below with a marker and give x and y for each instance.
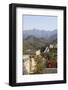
(34, 39)
(39, 33)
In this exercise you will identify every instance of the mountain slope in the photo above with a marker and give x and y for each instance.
(35, 40)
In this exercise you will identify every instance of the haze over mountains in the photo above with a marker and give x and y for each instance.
(39, 33)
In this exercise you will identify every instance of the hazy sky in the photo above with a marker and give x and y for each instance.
(39, 22)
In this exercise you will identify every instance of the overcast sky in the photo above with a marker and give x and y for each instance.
(39, 22)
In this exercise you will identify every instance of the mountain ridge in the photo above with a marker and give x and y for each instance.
(39, 33)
